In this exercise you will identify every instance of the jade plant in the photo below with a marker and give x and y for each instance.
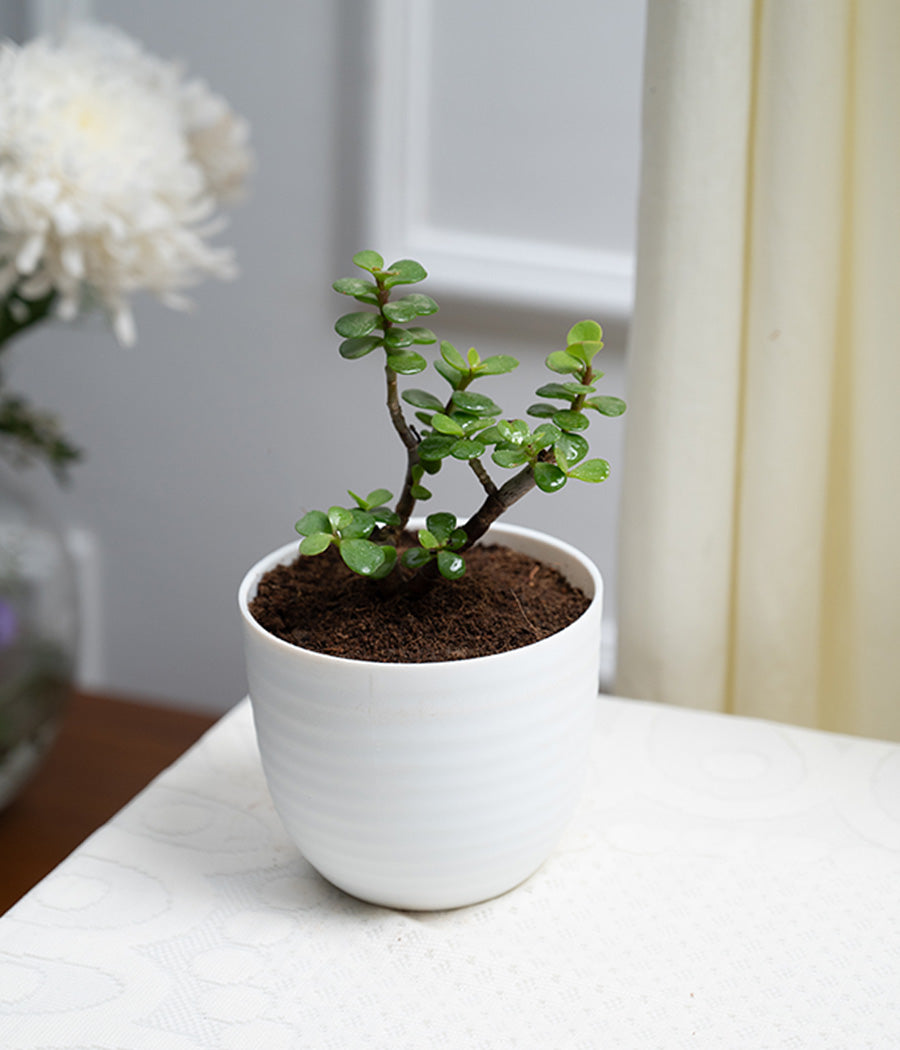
(463, 426)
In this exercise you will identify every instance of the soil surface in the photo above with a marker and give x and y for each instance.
(505, 600)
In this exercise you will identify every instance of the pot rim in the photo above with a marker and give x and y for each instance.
(285, 554)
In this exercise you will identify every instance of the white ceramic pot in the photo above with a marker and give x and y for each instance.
(428, 786)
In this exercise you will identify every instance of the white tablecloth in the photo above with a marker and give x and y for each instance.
(726, 883)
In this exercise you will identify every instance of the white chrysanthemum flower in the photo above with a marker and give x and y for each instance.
(110, 171)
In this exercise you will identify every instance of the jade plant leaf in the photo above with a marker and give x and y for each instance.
(352, 326)
(313, 521)
(315, 543)
(606, 405)
(591, 470)
(422, 399)
(351, 349)
(548, 477)
(497, 365)
(363, 556)
(368, 260)
(450, 565)
(404, 271)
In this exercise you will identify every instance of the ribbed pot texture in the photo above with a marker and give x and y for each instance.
(428, 786)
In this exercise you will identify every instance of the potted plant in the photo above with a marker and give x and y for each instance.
(417, 759)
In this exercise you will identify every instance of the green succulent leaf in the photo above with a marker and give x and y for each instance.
(478, 426)
(315, 543)
(387, 565)
(593, 470)
(313, 521)
(339, 518)
(445, 425)
(407, 364)
(562, 361)
(385, 516)
(360, 525)
(585, 332)
(606, 405)
(419, 492)
(497, 365)
(585, 352)
(568, 391)
(449, 373)
(453, 357)
(477, 404)
(358, 288)
(423, 305)
(544, 435)
(416, 557)
(397, 339)
(421, 336)
(428, 540)
(514, 431)
(450, 564)
(509, 457)
(363, 556)
(491, 435)
(377, 497)
(548, 477)
(473, 358)
(368, 260)
(541, 411)
(468, 449)
(422, 399)
(404, 271)
(570, 449)
(400, 311)
(351, 349)
(353, 326)
(570, 421)
(554, 390)
(458, 538)
(435, 446)
(441, 525)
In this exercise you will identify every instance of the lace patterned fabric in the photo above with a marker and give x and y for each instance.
(725, 883)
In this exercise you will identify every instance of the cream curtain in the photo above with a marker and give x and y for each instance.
(760, 532)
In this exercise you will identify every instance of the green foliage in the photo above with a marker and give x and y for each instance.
(462, 425)
(28, 434)
(439, 543)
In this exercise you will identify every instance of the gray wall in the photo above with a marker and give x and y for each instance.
(210, 438)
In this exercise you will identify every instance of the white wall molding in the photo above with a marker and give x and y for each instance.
(541, 273)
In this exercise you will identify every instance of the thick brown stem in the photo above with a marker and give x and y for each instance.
(497, 503)
(407, 502)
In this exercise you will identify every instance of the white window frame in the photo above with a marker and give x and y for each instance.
(541, 274)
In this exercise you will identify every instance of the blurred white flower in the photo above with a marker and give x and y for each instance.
(111, 170)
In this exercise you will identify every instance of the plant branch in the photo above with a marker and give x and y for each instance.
(487, 482)
(406, 502)
(497, 503)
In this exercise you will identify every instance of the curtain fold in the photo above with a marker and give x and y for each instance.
(759, 565)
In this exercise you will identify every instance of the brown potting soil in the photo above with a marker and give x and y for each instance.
(505, 600)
